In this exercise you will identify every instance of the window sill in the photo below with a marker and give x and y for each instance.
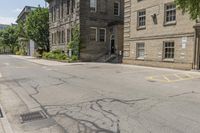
(170, 23)
(168, 60)
(141, 28)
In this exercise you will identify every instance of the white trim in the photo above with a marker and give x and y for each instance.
(105, 33)
(96, 32)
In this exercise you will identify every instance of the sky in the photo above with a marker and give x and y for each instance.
(10, 9)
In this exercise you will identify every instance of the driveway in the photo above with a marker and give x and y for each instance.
(99, 98)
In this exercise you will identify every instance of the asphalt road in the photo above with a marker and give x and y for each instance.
(99, 98)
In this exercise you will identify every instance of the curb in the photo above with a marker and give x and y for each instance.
(4, 122)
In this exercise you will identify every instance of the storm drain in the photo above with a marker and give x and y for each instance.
(32, 116)
(1, 114)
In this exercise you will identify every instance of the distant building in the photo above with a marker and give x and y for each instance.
(157, 33)
(29, 45)
(100, 22)
(23, 15)
(3, 26)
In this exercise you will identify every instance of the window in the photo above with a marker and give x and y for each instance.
(68, 7)
(68, 35)
(140, 50)
(170, 13)
(73, 6)
(116, 8)
(102, 34)
(93, 34)
(63, 36)
(168, 50)
(59, 37)
(62, 9)
(54, 14)
(141, 19)
(93, 5)
(52, 38)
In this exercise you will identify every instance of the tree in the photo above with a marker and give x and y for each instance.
(23, 38)
(190, 6)
(9, 38)
(37, 28)
(74, 44)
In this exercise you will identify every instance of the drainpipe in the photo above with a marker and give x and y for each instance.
(196, 63)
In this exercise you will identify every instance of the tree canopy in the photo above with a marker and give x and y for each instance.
(190, 6)
(8, 37)
(37, 27)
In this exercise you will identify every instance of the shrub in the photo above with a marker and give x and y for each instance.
(55, 55)
(21, 52)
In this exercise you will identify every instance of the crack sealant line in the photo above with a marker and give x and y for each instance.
(4, 122)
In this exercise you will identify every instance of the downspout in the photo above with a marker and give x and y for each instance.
(195, 49)
(196, 62)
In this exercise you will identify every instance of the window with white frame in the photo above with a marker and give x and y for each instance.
(102, 35)
(141, 18)
(93, 5)
(93, 34)
(170, 13)
(169, 50)
(140, 50)
(116, 8)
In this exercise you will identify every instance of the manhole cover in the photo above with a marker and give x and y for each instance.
(32, 116)
(1, 114)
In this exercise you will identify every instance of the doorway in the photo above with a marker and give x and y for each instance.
(112, 44)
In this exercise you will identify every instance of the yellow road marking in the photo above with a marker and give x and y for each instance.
(167, 80)
(178, 76)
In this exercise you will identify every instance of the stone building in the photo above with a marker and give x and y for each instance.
(100, 22)
(157, 34)
(28, 45)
